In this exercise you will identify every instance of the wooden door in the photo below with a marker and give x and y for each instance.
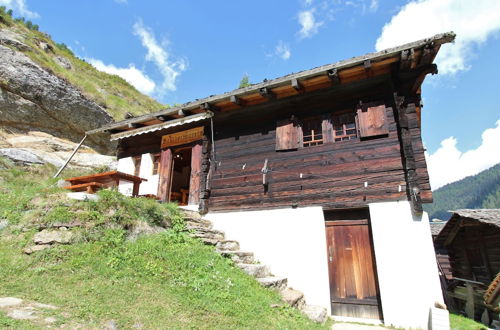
(353, 287)
(165, 174)
(195, 178)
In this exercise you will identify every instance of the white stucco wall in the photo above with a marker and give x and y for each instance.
(126, 165)
(291, 242)
(146, 172)
(406, 264)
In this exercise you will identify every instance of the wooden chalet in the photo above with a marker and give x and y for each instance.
(333, 152)
(471, 241)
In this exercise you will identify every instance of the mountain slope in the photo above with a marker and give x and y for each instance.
(474, 192)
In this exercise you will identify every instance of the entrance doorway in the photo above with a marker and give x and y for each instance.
(180, 174)
(351, 265)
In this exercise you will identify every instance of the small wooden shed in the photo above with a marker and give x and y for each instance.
(471, 239)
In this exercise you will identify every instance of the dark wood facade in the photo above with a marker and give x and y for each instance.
(261, 148)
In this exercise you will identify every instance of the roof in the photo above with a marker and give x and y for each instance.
(332, 71)
(436, 227)
(462, 217)
(488, 216)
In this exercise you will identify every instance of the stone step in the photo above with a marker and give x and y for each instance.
(228, 245)
(198, 224)
(238, 256)
(210, 241)
(293, 297)
(255, 270)
(315, 313)
(208, 233)
(273, 282)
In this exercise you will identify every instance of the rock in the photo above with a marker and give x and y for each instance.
(50, 319)
(63, 183)
(255, 270)
(46, 47)
(278, 283)
(208, 233)
(238, 256)
(111, 325)
(53, 236)
(3, 223)
(21, 156)
(82, 196)
(22, 314)
(33, 98)
(35, 248)
(228, 245)
(10, 38)
(10, 301)
(316, 313)
(141, 228)
(64, 62)
(44, 306)
(292, 297)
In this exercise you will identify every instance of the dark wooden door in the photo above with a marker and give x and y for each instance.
(165, 174)
(353, 287)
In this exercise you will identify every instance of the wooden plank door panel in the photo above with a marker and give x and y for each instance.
(353, 288)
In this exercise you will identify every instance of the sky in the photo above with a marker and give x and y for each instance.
(180, 50)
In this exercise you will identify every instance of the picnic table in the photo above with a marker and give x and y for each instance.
(111, 179)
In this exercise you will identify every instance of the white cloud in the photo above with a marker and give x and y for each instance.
(158, 55)
(132, 75)
(308, 23)
(19, 6)
(473, 22)
(282, 50)
(448, 164)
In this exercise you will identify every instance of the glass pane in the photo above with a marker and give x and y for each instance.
(307, 138)
(350, 126)
(351, 131)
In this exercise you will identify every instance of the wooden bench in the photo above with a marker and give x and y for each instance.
(89, 187)
(109, 179)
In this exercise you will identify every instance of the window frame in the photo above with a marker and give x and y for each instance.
(156, 163)
(313, 142)
(336, 118)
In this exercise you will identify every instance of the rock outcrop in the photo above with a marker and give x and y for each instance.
(32, 98)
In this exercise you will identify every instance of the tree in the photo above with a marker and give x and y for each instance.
(245, 81)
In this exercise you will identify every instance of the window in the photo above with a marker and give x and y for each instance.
(137, 164)
(312, 132)
(156, 163)
(344, 127)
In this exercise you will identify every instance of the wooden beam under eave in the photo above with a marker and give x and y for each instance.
(333, 75)
(209, 107)
(266, 92)
(235, 100)
(296, 85)
(135, 125)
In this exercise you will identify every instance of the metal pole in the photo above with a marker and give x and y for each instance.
(70, 157)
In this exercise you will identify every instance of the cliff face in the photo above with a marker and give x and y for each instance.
(31, 98)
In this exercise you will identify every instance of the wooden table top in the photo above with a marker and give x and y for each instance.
(106, 178)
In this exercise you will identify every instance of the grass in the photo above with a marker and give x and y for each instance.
(167, 280)
(109, 91)
(458, 322)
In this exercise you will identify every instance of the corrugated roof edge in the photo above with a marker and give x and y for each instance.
(438, 39)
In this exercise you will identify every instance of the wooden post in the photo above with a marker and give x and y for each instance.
(469, 305)
(195, 179)
(165, 174)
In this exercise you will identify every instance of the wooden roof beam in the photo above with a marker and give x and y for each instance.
(407, 57)
(209, 107)
(296, 85)
(235, 100)
(429, 52)
(267, 93)
(334, 76)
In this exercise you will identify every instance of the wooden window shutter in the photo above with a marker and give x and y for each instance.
(327, 127)
(372, 122)
(288, 135)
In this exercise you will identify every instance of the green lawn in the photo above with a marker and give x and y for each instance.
(458, 322)
(167, 280)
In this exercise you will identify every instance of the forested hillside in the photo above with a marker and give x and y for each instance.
(473, 192)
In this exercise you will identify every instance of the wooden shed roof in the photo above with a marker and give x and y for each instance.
(411, 55)
(464, 217)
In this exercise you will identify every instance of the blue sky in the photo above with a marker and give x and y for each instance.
(177, 51)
